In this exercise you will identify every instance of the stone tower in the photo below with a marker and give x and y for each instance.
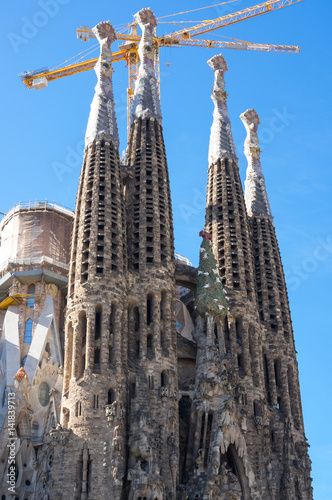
(282, 416)
(119, 427)
(91, 439)
(152, 354)
(178, 383)
(246, 437)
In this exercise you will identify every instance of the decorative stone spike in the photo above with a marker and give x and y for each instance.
(102, 119)
(221, 138)
(256, 198)
(146, 102)
(210, 298)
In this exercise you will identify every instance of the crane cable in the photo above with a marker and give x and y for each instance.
(86, 52)
(124, 27)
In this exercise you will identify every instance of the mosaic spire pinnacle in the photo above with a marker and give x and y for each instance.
(146, 102)
(221, 138)
(102, 119)
(256, 198)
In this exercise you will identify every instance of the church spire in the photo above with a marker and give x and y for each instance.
(256, 199)
(102, 120)
(221, 138)
(146, 102)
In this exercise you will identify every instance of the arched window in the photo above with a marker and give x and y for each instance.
(44, 394)
(110, 396)
(31, 295)
(28, 331)
(164, 378)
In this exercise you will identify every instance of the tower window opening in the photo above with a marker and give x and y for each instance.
(216, 338)
(201, 443)
(226, 333)
(277, 372)
(78, 409)
(151, 381)
(238, 329)
(164, 378)
(98, 322)
(149, 345)
(96, 401)
(111, 396)
(110, 355)
(240, 364)
(266, 378)
(97, 356)
(149, 310)
(136, 319)
(208, 438)
(132, 389)
(82, 327)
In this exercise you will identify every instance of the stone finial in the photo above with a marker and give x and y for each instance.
(221, 138)
(256, 199)
(146, 102)
(102, 119)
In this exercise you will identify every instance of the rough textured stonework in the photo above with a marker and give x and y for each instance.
(166, 382)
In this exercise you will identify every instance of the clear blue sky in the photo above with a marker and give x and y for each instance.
(42, 134)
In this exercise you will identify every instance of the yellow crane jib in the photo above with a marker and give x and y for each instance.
(185, 37)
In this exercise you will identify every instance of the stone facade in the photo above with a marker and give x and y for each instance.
(34, 257)
(177, 383)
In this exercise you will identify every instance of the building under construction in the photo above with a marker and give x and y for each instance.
(135, 375)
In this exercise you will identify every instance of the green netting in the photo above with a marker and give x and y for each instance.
(210, 297)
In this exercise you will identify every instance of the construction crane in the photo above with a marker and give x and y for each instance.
(185, 37)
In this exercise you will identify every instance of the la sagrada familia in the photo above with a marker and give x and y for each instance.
(125, 372)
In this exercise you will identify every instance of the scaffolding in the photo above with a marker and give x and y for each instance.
(35, 233)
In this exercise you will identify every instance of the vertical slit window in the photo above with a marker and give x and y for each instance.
(28, 331)
(149, 310)
(98, 322)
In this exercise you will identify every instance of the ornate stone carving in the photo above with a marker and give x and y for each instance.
(59, 435)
